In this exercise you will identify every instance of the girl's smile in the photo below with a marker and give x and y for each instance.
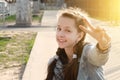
(66, 34)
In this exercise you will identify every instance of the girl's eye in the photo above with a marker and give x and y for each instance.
(67, 30)
(58, 29)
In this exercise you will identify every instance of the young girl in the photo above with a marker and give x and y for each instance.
(75, 59)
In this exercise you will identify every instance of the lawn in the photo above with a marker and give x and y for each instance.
(15, 48)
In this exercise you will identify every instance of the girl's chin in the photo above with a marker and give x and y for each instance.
(61, 46)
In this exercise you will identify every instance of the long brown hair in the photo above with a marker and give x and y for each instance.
(70, 69)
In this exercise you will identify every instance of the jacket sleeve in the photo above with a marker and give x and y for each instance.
(95, 56)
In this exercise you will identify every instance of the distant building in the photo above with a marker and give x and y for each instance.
(3, 1)
(3, 8)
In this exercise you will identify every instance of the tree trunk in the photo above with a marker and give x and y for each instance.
(36, 6)
(23, 13)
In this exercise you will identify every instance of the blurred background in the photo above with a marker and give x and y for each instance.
(108, 10)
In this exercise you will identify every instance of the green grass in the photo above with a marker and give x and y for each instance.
(30, 44)
(35, 17)
(11, 18)
(3, 43)
(12, 56)
(3, 58)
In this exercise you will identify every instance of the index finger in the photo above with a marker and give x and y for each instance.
(88, 24)
(85, 29)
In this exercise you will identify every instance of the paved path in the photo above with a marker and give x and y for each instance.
(45, 47)
(49, 18)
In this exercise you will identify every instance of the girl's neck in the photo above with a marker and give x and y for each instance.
(69, 53)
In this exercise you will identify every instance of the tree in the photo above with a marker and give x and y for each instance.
(23, 13)
(36, 6)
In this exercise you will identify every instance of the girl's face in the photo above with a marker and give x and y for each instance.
(66, 35)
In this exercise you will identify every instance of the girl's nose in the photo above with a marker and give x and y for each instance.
(60, 34)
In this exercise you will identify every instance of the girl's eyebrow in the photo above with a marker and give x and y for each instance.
(64, 26)
(58, 26)
(67, 27)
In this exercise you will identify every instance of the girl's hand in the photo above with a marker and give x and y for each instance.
(97, 33)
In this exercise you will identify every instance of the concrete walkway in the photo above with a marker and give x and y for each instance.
(49, 18)
(45, 47)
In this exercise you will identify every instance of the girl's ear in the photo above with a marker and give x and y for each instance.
(80, 36)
